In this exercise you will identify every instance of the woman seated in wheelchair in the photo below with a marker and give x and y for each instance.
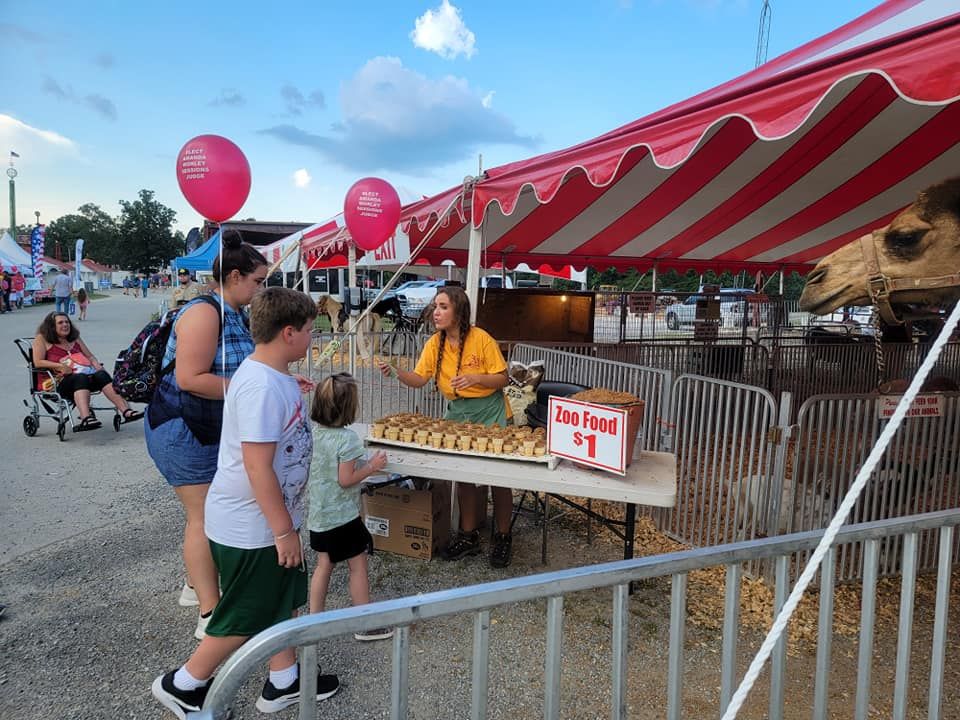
(77, 372)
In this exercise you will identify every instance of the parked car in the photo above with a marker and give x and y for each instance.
(415, 295)
(733, 308)
(853, 319)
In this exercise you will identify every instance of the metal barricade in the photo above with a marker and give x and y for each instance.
(479, 600)
(725, 460)
(920, 472)
(379, 395)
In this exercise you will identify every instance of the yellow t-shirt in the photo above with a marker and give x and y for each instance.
(480, 355)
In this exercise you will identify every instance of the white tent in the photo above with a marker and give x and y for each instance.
(13, 254)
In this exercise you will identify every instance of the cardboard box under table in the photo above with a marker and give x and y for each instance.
(415, 523)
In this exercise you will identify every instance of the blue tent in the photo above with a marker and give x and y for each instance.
(201, 258)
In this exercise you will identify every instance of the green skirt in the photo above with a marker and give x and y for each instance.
(489, 410)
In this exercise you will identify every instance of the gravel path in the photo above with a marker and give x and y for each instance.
(90, 570)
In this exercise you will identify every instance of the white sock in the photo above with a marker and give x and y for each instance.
(183, 680)
(284, 678)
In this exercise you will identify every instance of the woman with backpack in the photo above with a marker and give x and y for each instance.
(185, 416)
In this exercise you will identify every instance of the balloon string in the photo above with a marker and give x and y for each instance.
(223, 319)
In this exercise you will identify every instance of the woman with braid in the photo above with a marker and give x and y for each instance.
(468, 368)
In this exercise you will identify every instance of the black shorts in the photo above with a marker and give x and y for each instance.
(77, 381)
(344, 542)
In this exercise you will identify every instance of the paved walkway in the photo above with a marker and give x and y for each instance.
(52, 490)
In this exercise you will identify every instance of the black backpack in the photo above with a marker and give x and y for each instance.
(139, 367)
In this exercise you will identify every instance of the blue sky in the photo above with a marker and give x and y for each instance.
(99, 97)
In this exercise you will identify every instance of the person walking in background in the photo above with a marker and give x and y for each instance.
(337, 532)
(62, 291)
(5, 292)
(82, 302)
(19, 285)
(254, 511)
(144, 284)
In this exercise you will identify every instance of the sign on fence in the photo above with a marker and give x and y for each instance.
(705, 330)
(589, 434)
(930, 405)
(642, 303)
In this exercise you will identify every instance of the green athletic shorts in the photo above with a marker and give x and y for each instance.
(256, 592)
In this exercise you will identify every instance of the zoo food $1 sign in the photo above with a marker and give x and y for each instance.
(589, 434)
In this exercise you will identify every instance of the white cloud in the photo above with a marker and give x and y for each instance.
(443, 31)
(487, 100)
(301, 178)
(397, 119)
(30, 142)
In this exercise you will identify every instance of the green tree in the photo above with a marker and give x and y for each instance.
(90, 222)
(147, 241)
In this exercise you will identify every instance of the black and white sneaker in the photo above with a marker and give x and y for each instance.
(272, 700)
(179, 702)
(375, 634)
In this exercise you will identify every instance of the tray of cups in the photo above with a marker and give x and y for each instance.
(411, 430)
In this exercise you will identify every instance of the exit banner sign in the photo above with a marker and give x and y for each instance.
(589, 434)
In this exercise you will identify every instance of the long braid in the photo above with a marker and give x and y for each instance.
(461, 306)
(436, 372)
(464, 329)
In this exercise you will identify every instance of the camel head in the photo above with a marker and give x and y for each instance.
(918, 256)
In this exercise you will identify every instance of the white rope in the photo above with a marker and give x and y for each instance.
(830, 534)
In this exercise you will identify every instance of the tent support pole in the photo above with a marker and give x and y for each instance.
(351, 265)
(473, 268)
(653, 284)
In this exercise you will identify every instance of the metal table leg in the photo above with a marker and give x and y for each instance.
(546, 518)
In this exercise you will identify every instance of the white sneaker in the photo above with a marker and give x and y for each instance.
(188, 597)
(201, 632)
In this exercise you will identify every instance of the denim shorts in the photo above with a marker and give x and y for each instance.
(177, 454)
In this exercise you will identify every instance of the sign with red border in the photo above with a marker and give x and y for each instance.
(928, 405)
(588, 434)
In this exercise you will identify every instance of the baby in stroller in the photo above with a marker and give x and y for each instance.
(76, 371)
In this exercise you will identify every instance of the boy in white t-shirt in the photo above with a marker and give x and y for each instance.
(254, 509)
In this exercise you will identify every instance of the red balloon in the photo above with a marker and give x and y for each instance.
(214, 176)
(371, 211)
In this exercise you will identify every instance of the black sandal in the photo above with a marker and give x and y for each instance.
(130, 415)
(88, 423)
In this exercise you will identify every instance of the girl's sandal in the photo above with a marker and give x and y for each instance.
(130, 415)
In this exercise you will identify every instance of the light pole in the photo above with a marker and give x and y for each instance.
(12, 174)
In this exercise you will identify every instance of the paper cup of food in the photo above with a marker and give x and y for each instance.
(377, 430)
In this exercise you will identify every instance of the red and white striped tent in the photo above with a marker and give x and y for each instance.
(772, 170)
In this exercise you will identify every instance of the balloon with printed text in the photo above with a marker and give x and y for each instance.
(214, 176)
(371, 211)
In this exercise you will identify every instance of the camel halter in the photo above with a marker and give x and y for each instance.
(881, 287)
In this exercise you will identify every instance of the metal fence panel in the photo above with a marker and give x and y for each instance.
(555, 586)
(920, 472)
(724, 460)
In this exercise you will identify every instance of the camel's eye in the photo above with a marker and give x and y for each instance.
(904, 239)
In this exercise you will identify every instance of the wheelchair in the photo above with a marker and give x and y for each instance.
(49, 403)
